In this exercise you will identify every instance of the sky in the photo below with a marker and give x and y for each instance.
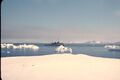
(63, 20)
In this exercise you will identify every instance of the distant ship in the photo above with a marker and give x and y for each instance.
(55, 44)
(112, 47)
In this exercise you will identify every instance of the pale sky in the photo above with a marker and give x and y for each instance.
(64, 20)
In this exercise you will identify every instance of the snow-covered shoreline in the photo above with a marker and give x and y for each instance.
(60, 67)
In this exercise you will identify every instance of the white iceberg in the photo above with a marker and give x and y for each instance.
(23, 46)
(62, 49)
(112, 47)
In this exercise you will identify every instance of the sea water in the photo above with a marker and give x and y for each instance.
(86, 49)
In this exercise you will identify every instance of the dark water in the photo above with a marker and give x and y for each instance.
(92, 50)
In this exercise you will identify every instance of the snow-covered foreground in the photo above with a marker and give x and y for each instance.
(60, 67)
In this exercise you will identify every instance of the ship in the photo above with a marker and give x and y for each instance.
(55, 44)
